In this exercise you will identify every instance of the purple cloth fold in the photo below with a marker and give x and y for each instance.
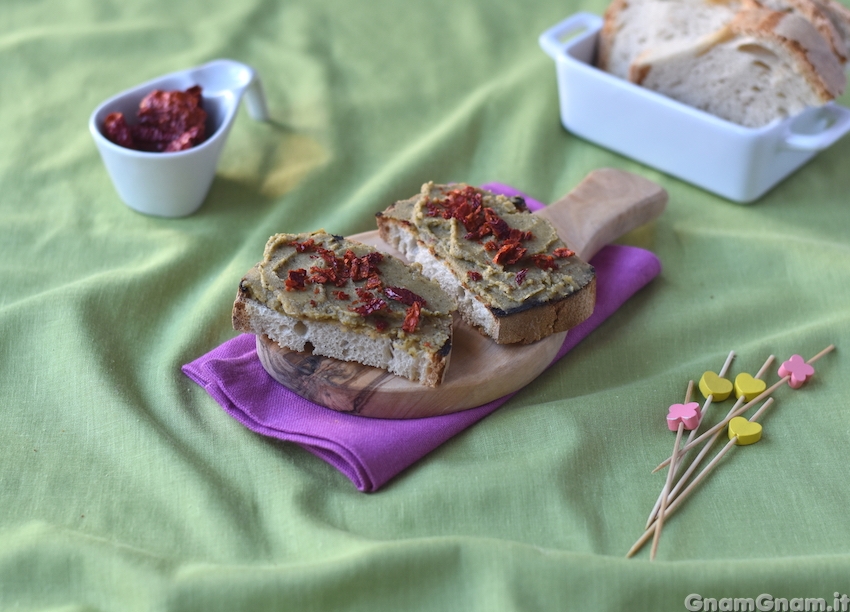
(372, 451)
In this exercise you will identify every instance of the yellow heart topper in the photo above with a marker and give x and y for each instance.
(746, 431)
(748, 386)
(712, 384)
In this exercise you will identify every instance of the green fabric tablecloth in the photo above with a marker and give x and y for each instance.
(124, 486)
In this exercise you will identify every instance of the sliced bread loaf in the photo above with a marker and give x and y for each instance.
(632, 27)
(762, 66)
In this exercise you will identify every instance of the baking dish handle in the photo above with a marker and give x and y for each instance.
(579, 26)
(837, 119)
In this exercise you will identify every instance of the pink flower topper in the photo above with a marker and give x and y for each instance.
(797, 369)
(686, 414)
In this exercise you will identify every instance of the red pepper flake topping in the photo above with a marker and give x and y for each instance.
(337, 270)
(467, 206)
(303, 247)
(370, 307)
(381, 324)
(364, 294)
(296, 280)
(411, 317)
(373, 282)
(361, 268)
(563, 252)
(509, 253)
(544, 262)
(341, 295)
(473, 275)
(497, 226)
(520, 276)
(167, 121)
(405, 296)
(517, 235)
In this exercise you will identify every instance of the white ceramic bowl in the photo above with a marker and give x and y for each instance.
(176, 184)
(733, 161)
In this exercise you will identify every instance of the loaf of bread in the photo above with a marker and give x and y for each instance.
(512, 276)
(747, 62)
(343, 299)
(630, 27)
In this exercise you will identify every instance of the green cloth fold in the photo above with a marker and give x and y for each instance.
(123, 486)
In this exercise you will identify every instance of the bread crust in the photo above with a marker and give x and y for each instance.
(809, 51)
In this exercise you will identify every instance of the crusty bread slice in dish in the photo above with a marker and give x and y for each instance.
(764, 65)
(632, 27)
(747, 61)
(513, 278)
(343, 299)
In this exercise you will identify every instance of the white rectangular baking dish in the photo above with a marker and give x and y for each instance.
(733, 161)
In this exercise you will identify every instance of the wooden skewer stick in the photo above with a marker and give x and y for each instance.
(664, 492)
(706, 448)
(742, 409)
(690, 488)
(708, 400)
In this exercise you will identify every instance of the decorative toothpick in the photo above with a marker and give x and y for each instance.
(741, 432)
(725, 422)
(708, 445)
(713, 386)
(679, 416)
(750, 437)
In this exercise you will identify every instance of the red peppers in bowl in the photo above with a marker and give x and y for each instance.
(168, 121)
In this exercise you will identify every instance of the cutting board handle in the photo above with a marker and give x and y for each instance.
(605, 205)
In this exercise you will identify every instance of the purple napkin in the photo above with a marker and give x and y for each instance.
(372, 451)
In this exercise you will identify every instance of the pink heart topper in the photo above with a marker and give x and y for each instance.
(797, 369)
(686, 414)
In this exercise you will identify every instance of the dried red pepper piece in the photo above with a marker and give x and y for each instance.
(115, 128)
(405, 296)
(303, 247)
(361, 268)
(338, 270)
(371, 307)
(373, 282)
(411, 318)
(544, 262)
(473, 275)
(509, 253)
(520, 276)
(364, 294)
(563, 252)
(296, 280)
(168, 121)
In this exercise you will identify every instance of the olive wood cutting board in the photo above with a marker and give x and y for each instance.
(605, 205)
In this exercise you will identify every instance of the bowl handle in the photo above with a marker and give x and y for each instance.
(255, 100)
(836, 120)
(581, 25)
